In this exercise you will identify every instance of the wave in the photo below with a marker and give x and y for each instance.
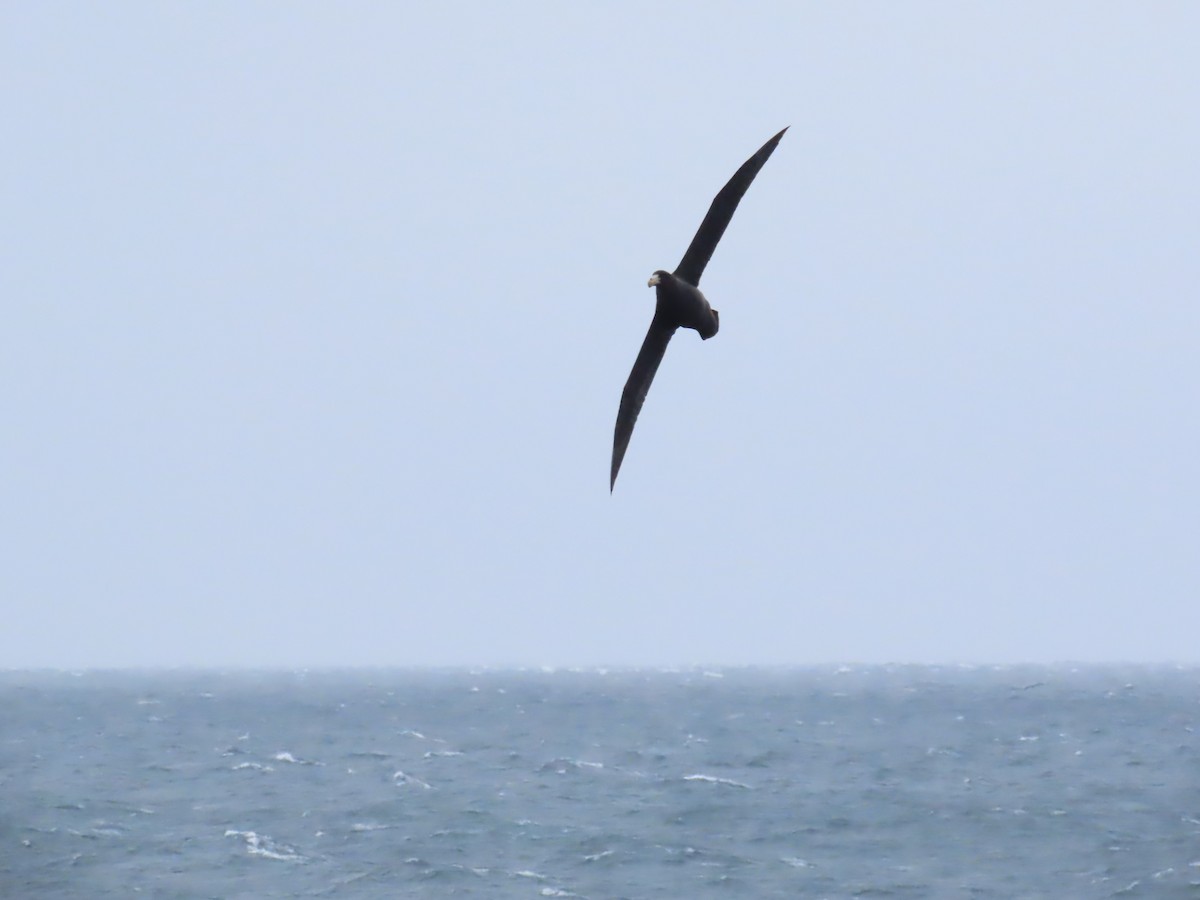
(562, 765)
(285, 756)
(261, 845)
(256, 766)
(403, 779)
(796, 862)
(712, 779)
(412, 733)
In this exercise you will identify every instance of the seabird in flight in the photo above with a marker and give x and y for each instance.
(679, 302)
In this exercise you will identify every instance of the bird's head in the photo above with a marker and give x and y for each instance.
(658, 277)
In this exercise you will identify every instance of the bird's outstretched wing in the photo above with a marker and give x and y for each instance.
(691, 267)
(636, 388)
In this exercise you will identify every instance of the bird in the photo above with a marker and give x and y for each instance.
(679, 302)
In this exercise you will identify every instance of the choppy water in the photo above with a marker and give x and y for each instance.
(880, 782)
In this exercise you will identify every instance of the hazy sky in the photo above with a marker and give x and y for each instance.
(316, 318)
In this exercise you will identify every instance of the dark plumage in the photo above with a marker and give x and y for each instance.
(679, 301)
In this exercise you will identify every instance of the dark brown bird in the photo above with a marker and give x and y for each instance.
(679, 303)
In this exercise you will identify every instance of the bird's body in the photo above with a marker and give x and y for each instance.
(679, 302)
(683, 303)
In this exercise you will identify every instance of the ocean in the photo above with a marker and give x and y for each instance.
(890, 781)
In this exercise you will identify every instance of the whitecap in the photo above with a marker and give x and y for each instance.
(561, 765)
(261, 845)
(712, 779)
(403, 779)
(285, 756)
(258, 767)
(796, 862)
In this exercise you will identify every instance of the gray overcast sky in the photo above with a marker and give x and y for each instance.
(317, 317)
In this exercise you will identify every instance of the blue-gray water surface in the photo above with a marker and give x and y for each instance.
(898, 781)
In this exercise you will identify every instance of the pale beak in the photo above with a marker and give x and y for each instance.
(653, 280)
